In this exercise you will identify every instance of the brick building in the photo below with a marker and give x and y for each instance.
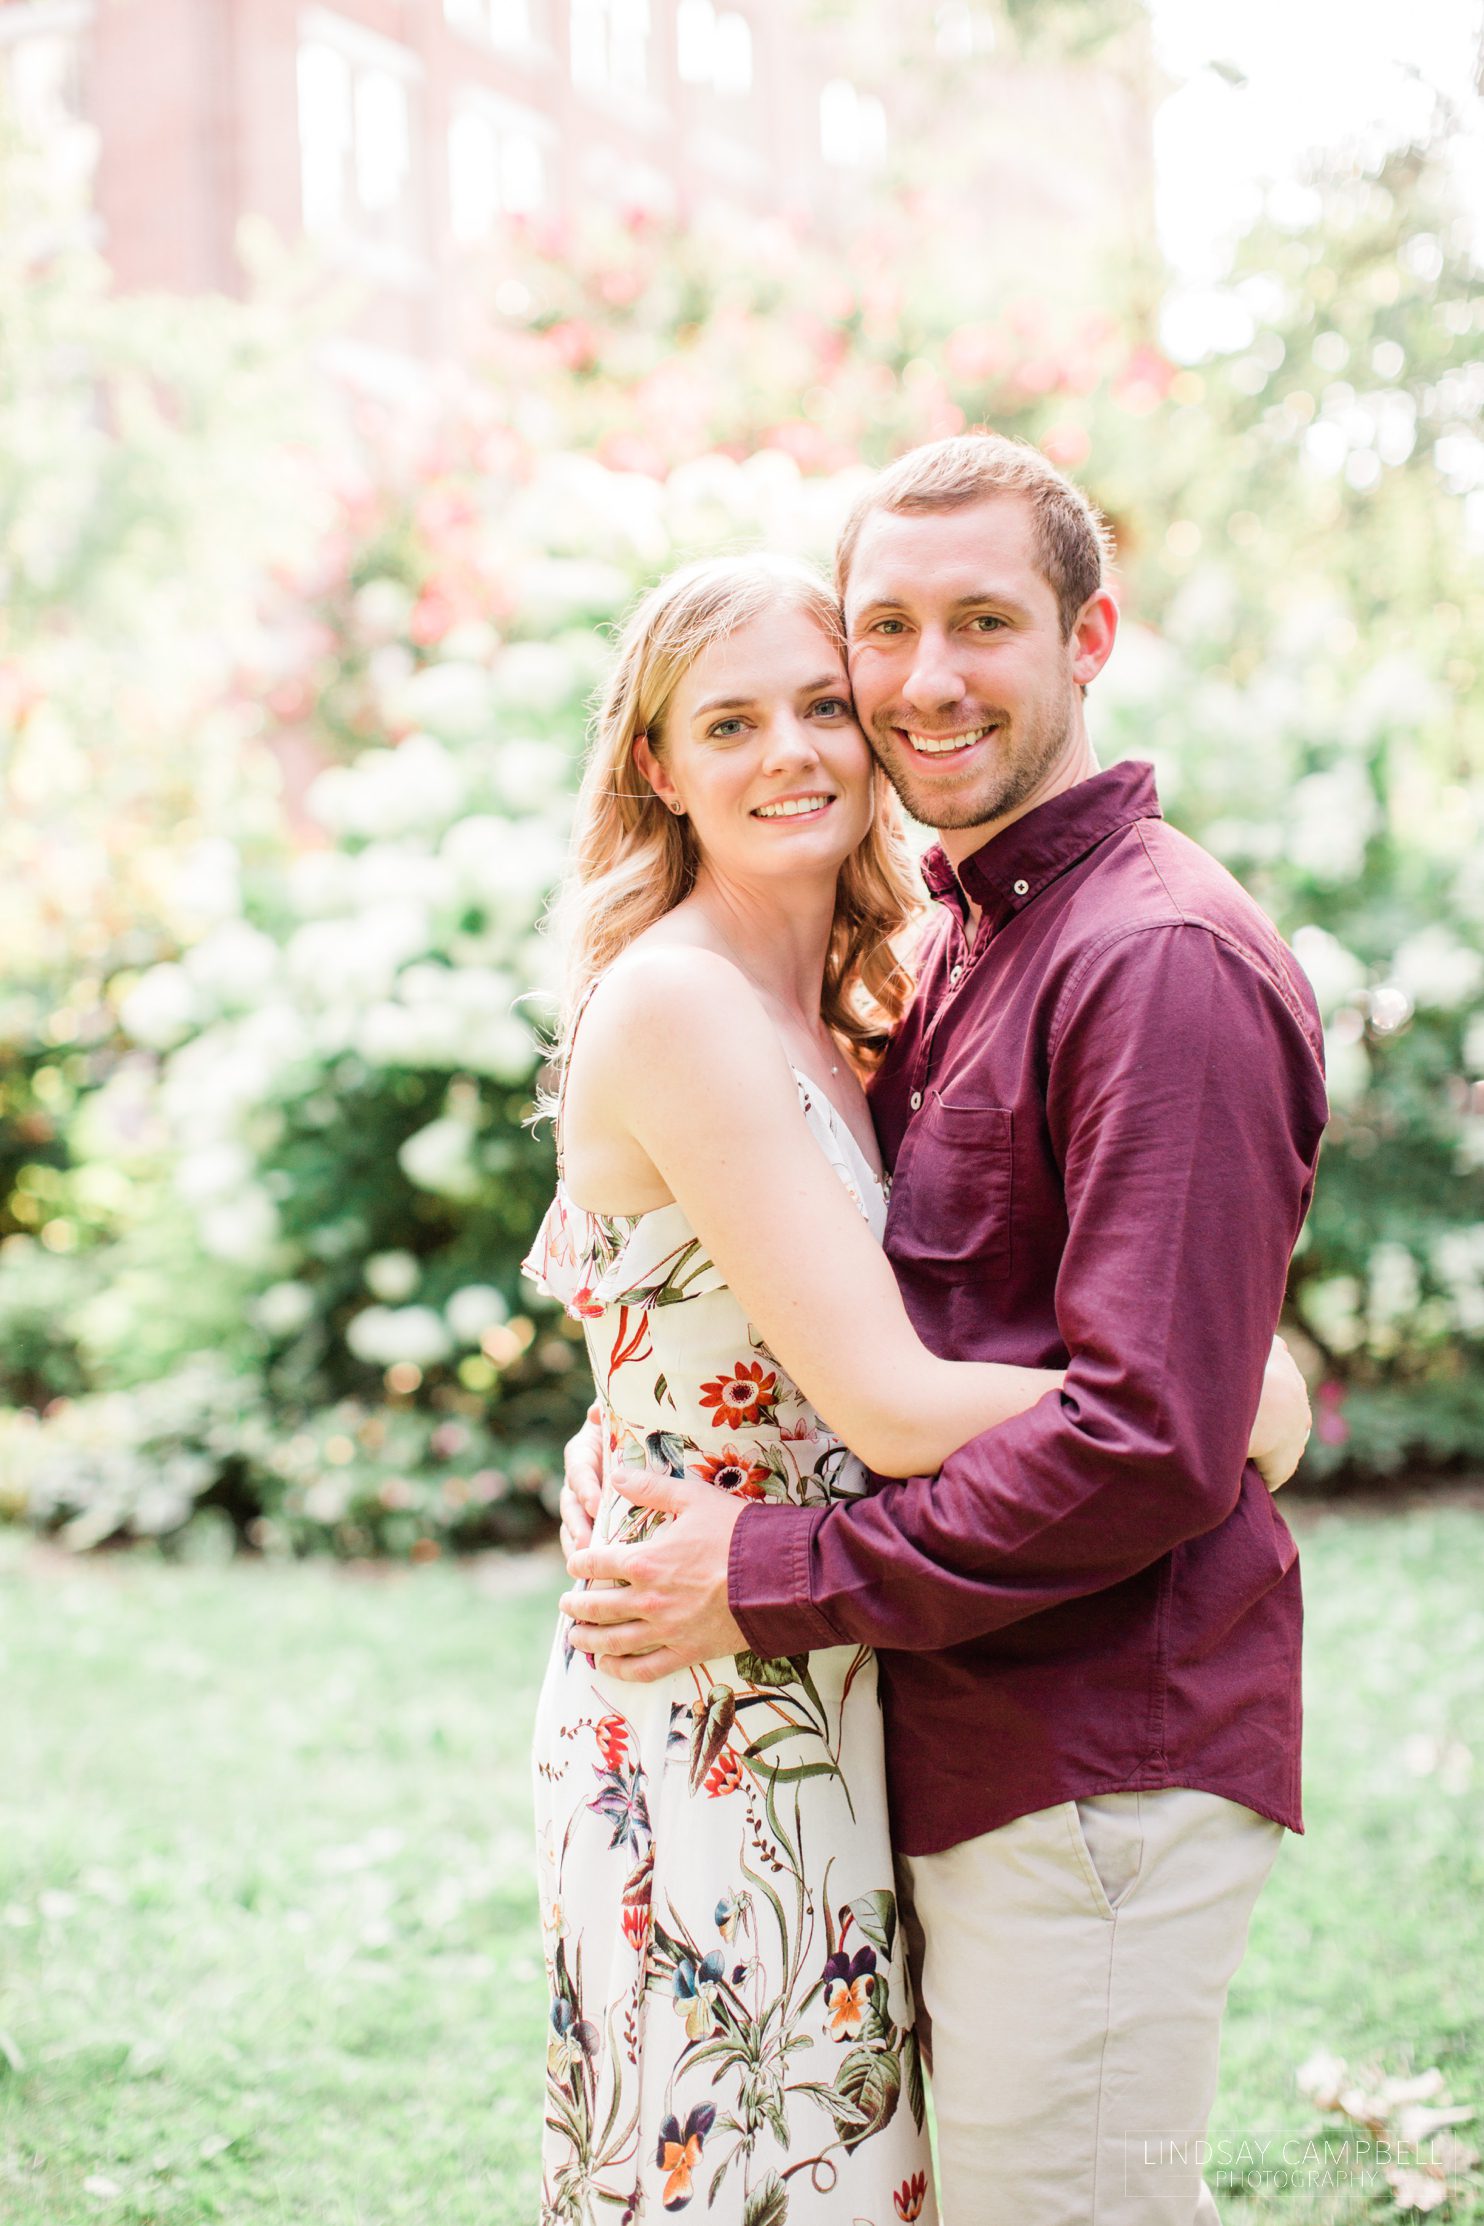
(400, 134)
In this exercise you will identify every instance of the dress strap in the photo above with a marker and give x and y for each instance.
(559, 1117)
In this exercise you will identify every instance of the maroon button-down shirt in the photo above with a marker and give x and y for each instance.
(1103, 1123)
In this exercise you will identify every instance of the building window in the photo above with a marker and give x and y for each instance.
(610, 45)
(713, 47)
(497, 167)
(506, 22)
(356, 126)
(852, 126)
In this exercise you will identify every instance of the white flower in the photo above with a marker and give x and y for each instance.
(1331, 1307)
(384, 1335)
(392, 1276)
(1436, 969)
(1332, 816)
(531, 773)
(452, 698)
(208, 879)
(1458, 1260)
(242, 1229)
(382, 608)
(473, 1310)
(504, 865)
(327, 1499)
(235, 963)
(213, 1171)
(1347, 1068)
(359, 957)
(322, 882)
(161, 1008)
(1394, 1295)
(535, 675)
(440, 1158)
(416, 786)
(283, 1308)
(1335, 974)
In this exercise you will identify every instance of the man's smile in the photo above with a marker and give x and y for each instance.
(945, 745)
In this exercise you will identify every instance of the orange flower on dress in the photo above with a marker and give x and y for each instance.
(731, 1471)
(724, 1776)
(910, 2197)
(743, 1399)
(584, 1306)
(848, 1984)
(680, 2153)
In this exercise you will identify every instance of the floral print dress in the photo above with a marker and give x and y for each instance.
(730, 2022)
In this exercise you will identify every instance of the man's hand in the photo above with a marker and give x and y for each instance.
(582, 1484)
(1284, 1420)
(673, 1608)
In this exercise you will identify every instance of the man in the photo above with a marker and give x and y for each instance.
(1103, 1114)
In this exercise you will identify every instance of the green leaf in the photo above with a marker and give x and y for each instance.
(912, 2076)
(775, 1738)
(871, 2079)
(789, 1773)
(876, 1914)
(720, 2174)
(776, 1669)
(849, 2115)
(767, 2205)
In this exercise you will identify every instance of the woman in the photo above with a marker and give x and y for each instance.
(731, 2016)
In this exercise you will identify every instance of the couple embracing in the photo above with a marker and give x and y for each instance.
(929, 1260)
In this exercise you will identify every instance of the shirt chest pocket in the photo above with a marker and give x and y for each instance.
(952, 1192)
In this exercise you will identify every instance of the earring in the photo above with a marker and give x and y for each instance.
(677, 807)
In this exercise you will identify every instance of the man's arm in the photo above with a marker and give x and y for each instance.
(1185, 1105)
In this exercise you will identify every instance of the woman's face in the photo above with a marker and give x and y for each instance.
(762, 748)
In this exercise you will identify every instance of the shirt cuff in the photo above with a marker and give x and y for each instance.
(768, 1580)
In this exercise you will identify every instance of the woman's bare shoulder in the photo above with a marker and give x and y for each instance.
(680, 998)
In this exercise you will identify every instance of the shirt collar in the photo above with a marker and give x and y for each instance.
(1013, 867)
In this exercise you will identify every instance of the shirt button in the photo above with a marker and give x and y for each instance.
(1022, 888)
(915, 1100)
(954, 972)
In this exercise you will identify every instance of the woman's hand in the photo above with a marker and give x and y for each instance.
(1281, 1430)
(582, 1485)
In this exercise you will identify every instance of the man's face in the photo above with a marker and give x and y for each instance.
(963, 682)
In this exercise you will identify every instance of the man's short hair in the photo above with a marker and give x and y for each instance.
(1072, 538)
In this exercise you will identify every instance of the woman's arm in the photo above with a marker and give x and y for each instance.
(1279, 1436)
(678, 1049)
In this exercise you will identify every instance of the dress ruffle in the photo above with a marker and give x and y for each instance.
(591, 1261)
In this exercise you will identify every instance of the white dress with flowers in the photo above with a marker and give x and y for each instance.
(730, 2018)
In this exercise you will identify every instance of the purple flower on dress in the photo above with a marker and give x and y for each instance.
(848, 1982)
(620, 1798)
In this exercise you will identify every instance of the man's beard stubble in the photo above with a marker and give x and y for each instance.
(1000, 792)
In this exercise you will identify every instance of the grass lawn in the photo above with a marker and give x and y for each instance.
(267, 1928)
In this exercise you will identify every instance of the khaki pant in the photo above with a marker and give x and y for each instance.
(1073, 1968)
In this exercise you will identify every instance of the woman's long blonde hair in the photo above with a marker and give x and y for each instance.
(633, 860)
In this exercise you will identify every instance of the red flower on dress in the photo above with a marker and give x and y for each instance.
(724, 1776)
(637, 1897)
(743, 1399)
(732, 1471)
(613, 1741)
(585, 1306)
(910, 2197)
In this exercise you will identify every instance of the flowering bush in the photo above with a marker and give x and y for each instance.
(270, 1021)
